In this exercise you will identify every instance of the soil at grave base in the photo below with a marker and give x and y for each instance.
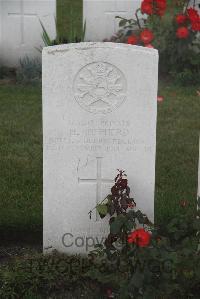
(29, 235)
(9, 253)
(19, 243)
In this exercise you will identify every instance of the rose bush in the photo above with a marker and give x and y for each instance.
(173, 30)
(146, 262)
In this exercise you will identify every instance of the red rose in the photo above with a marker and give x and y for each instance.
(149, 46)
(160, 12)
(193, 15)
(161, 4)
(140, 237)
(182, 32)
(160, 7)
(194, 18)
(160, 99)
(132, 39)
(146, 36)
(196, 26)
(180, 19)
(147, 8)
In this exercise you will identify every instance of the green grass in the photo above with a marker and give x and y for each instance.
(20, 158)
(177, 149)
(21, 154)
(68, 12)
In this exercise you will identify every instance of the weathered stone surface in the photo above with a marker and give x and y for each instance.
(20, 29)
(99, 114)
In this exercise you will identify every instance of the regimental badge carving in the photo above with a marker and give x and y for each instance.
(100, 87)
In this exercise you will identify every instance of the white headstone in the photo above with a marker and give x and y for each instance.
(21, 30)
(100, 16)
(99, 114)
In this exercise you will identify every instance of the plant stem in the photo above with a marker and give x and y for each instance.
(138, 21)
(186, 6)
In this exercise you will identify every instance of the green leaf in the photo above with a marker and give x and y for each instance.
(116, 225)
(196, 224)
(115, 228)
(109, 198)
(137, 280)
(83, 32)
(46, 38)
(129, 225)
(111, 209)
(131, 215)
(122, 22)
(102, 210)
(100, 246)
(149, 294)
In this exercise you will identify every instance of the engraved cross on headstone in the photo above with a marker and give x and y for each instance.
(98, 181)
(111, 16)
(22, 15)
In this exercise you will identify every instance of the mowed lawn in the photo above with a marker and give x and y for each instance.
(20, 159)
(21, 155)
(178, 131)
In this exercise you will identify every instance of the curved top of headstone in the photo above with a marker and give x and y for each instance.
(89, 45)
